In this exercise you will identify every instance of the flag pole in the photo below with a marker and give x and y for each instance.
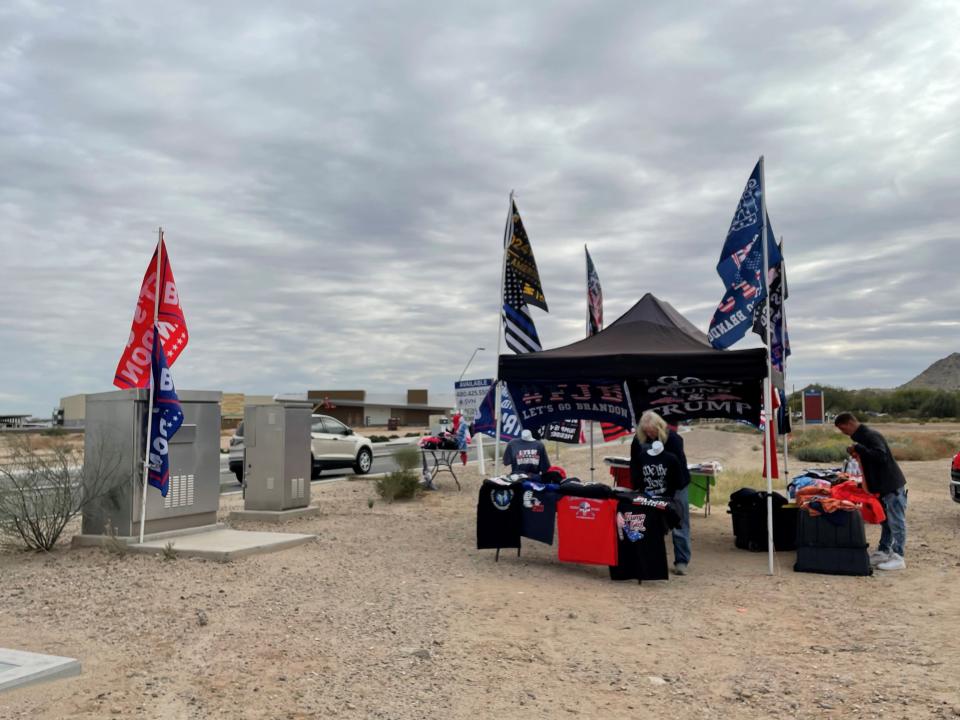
(507, 236)
(587, 265)
(156, 339)
(768, 410)
(783, 344)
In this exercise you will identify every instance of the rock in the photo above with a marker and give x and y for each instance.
(422, 653)
(202, 619)
(656, 680)
(572, 615)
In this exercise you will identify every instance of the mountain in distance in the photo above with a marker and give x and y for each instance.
(944, 374)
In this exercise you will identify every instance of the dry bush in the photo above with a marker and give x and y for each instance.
(43, 489)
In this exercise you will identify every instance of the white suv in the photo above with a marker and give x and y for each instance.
(332, 445)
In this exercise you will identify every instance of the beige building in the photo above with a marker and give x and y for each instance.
(359, 408)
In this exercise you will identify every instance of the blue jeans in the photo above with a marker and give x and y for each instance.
(893, 532)
(681, 536)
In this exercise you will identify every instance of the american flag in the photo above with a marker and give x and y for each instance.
(594, 325)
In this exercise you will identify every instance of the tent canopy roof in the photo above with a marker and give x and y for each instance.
(651, 338)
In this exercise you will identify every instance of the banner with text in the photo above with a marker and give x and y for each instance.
(676, 398)
(540, 404)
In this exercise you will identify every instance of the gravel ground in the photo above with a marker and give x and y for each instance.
(392, 613)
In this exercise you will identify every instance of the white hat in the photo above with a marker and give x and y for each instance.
(526, 435)
(656, 447)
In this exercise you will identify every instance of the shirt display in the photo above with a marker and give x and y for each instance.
(587, 530)
(641, 549)
(529, 456)
(499, 515)
(656, 475)
(539, 512)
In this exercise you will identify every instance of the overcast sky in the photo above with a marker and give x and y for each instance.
(333, 179)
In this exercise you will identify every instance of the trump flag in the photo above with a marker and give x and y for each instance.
(167, 418)
(133, 370)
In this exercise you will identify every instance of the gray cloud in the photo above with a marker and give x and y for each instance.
(334, 179)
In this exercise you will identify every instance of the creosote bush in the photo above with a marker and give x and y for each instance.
(402, 484)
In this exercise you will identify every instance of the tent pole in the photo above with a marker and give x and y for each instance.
(507, 237)
(767, 435)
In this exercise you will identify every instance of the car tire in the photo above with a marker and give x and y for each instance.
(314, 468)
(364, 461)
(239, 474)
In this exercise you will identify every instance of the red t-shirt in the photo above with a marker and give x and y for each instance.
(587, 530)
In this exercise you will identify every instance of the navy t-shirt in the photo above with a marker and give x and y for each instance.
(539, 512)
(528, 456)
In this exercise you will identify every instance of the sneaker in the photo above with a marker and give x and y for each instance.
(896, 562)
(879, 556)
(680, 569)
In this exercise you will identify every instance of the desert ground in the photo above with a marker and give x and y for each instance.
(392, 613)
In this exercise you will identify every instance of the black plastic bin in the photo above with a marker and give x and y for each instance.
(748, 510)
(834, 544)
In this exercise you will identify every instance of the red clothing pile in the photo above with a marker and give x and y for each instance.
(847, 495)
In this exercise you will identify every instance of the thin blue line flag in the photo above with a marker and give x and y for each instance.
(167, 418)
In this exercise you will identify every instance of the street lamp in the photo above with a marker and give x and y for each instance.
(468, 363)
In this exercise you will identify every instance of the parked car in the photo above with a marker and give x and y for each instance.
(955, 478)
(333, 445)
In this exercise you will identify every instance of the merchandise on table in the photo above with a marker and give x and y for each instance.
(845, 496)
(587, 530)
(539, 513)
(499, 514)
(641, 548)
(573, 486)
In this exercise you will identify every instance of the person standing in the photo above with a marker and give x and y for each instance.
(882, 476)
(653, 428)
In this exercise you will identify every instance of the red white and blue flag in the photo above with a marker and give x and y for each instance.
(167, 418)
(133, 370)
(741, 266)
(611, 431)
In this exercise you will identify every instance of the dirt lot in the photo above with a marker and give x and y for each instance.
(392, 613)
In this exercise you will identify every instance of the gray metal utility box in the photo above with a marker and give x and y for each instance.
(114, 441)
(276, 470)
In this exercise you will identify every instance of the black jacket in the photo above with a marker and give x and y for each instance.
(880, 471)
(674, 446)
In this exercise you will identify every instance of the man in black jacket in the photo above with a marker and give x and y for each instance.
(882, 476)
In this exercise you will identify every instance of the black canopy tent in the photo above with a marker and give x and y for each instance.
(666, 363)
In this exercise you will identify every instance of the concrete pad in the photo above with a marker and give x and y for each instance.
(18, 668)
(101, 540)
(273, 516)
(224, 545)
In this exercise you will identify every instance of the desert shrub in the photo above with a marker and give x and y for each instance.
(42, 490)
(54, 432)
(378, 438)
(922, 446)
(407, 458)
(392, 437)
(412, 434)
(735, 427)
(402, 484)
(826, 453)
(398, 485)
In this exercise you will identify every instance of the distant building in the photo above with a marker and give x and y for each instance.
(73, 408)
(359, 408)
(13, 421)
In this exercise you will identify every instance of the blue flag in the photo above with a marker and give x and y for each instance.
(167, 418)
(486, 419)
(741, 266)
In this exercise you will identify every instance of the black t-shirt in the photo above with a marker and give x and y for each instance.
(539, 512)
(527, 456)
(656, 475)
(499, 515)
(641, 550)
